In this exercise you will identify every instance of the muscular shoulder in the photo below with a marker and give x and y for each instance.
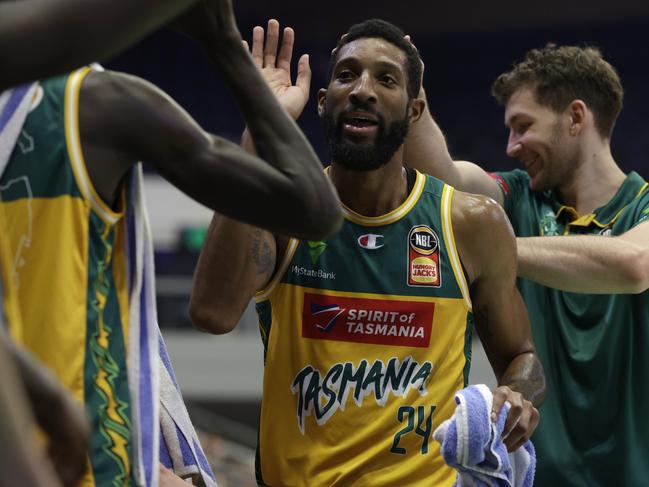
(477, 213)
(483, 234)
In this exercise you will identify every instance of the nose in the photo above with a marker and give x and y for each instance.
(514, 145)
(363, 91)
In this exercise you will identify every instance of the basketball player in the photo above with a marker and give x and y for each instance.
(367, 334)
(583, 256)
(64, 196)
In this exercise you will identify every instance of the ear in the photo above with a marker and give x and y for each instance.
(322, 98)
(416, 109)
(578, 113)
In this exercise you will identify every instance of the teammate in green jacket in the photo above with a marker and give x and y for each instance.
(583, 258)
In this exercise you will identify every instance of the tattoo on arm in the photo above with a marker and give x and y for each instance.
(261, 252)
(525, 375)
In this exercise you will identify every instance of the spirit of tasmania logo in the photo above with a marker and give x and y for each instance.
(321, 394)
(367, 320)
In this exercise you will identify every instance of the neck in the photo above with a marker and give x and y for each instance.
(594, 181)
(372, 193)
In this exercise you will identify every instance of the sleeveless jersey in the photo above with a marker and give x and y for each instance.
(67, 265)
(367, 337)
(594, 428)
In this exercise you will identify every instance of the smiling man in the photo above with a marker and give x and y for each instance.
(561, 104)
(367, 333)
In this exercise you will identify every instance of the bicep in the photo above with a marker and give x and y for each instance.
(488, 248)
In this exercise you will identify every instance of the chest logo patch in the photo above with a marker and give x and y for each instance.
(423, 257)
(370, 241)
(366, 320)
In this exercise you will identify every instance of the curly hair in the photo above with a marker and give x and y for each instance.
(561, 74)
(382, 29)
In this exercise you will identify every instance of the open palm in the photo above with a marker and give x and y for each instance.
(276, 68)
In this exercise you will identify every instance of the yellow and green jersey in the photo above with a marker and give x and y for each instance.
(367, 337)
(67, 265)
(594, 427)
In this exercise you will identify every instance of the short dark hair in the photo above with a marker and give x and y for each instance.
(381, 29)
(560, 74)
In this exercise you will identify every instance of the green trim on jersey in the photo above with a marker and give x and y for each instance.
(105, 377)
(594, 424)
(359, 269)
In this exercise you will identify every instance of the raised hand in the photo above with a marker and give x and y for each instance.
(276, 68)
(209, 21)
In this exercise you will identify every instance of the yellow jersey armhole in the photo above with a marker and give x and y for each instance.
(451, 248)
(75, 151)
(265, 293)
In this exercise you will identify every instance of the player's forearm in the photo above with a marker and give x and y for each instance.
(21, 463)
(425, 148)
(585, 264)
(32, 46)
(220, 290)
(277, 139)
(525, 374)
(42, 388)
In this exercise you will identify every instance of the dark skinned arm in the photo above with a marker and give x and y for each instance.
(21, 462)
(425, 149)
(124, 119)
(58, 414)
(237, 261)
(41, 38)
(487, 249)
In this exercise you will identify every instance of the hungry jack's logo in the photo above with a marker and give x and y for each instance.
(423, 257)
(367, 320)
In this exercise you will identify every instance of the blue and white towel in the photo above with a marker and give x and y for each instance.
(163, 431)
(471, 443)
(14, 107)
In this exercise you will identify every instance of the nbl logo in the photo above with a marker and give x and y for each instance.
(423, 257)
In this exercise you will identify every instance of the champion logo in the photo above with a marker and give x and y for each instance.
(325, 316)
(370, 241)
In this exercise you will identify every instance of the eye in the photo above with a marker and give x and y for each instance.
(345, 75)
(522, 127)
(387, 79)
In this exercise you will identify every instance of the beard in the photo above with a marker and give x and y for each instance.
(364, 156)
(561, 161)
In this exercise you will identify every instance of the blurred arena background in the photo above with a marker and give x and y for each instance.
(465, 45)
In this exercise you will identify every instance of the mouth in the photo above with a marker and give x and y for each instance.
(531, 164)
(360, 124)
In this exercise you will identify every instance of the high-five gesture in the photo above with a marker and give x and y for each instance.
(276, 67)
(210, 22)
